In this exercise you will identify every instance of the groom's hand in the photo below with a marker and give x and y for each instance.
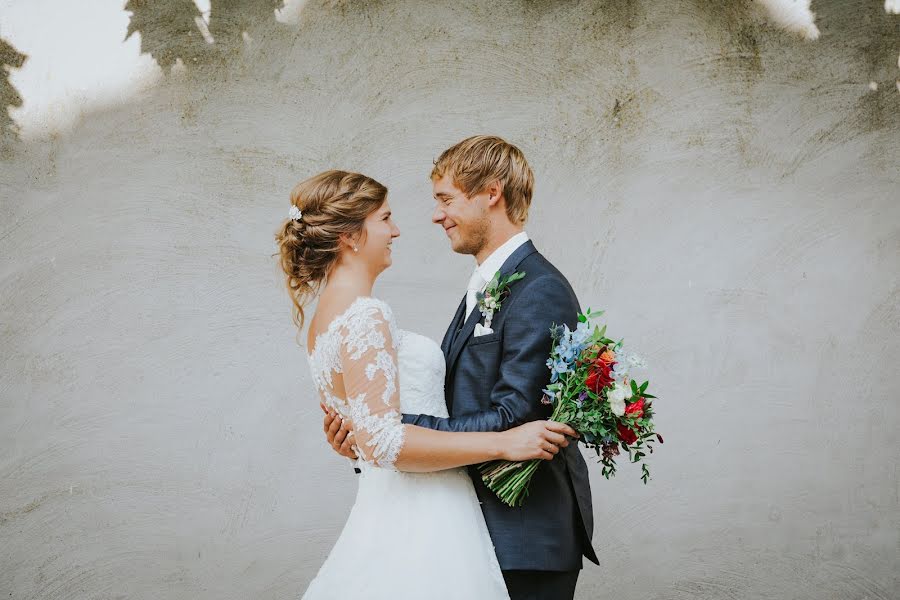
(536, 439)
(339, 435)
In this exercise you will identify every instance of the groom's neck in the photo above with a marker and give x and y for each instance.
(499, 235)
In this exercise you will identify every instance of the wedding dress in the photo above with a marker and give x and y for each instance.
(409, 535)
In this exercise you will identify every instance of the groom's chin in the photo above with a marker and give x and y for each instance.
(457, 246)
(462, 249)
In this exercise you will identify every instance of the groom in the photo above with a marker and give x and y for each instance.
(496, 374)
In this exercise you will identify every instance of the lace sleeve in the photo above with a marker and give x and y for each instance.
(369, 365)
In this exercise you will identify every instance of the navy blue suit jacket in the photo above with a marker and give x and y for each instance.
(494, 382)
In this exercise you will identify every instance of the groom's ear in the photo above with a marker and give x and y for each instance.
(494, 190)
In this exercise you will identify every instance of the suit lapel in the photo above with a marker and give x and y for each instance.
(457, 344)
(455, 324)
(463, 336)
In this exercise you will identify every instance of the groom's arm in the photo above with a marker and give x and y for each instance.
(516, 397)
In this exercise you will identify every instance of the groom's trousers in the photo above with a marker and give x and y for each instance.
(541, 585)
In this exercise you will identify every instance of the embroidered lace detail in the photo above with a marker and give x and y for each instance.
(384, 363)
(359, 346)
(385, 437)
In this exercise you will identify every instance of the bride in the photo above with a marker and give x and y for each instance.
(416, 529)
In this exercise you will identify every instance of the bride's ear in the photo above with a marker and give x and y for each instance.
(349, 242)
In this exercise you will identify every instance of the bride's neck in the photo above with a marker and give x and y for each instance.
(350, 278)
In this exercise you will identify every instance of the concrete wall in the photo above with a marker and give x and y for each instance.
(727, 192)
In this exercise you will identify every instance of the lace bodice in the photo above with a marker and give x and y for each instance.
(370, 371)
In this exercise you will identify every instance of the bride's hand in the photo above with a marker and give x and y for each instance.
(536, 439)
(338, 434)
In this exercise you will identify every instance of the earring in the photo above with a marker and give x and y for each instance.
(355, 249)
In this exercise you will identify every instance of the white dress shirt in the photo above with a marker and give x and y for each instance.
(486, 270)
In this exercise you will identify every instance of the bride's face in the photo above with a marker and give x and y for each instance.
(380, 231)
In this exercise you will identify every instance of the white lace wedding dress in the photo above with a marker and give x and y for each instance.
(409, 535)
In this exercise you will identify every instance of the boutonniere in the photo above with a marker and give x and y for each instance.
(497, 289)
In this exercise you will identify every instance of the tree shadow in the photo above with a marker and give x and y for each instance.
(176, 35)
(10, 58)
(168, 31)
(175, 30)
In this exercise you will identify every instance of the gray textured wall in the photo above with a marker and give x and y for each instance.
(727, 192)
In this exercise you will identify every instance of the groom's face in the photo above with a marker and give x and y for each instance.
(464, 219)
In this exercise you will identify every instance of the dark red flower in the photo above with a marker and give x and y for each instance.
(626, 434)
(635, 409)
(599, 377)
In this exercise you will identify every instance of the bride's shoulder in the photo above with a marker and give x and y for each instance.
(351, 312)
(348, 318)
(367, 307)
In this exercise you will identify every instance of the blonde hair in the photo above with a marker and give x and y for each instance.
(334, 204)
(479, 160)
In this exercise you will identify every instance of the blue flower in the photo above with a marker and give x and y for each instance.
(559, 367)
(566, 351)
(582, 334)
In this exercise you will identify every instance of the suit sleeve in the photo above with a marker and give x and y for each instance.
(516, 397)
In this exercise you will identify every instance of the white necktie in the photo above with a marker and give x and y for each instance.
(476, 284)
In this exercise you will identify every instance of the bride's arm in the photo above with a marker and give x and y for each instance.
(427, 455)
(430, 450)
(369, 365)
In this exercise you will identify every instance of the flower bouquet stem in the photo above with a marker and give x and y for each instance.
(508, 479)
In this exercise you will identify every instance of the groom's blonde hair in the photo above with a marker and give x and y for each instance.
(479, 160)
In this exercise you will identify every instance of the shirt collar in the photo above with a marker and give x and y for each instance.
(492, 263)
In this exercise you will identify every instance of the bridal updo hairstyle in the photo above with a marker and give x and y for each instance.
(333, 203)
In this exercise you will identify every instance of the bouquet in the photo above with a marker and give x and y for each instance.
(591, 390)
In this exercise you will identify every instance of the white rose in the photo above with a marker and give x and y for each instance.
(619, 393)
(617, 407)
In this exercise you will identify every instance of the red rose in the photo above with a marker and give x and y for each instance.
(626, 434)
(599, 377)
(635, 409)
